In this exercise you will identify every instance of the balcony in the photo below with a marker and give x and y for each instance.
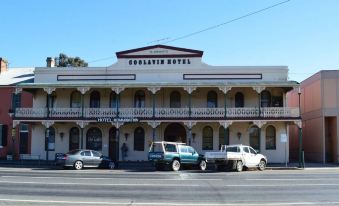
(159, 113)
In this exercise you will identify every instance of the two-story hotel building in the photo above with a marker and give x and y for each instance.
(158, 93)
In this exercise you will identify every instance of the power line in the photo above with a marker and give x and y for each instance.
(227, 22)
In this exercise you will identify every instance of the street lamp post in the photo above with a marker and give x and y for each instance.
(300, 135)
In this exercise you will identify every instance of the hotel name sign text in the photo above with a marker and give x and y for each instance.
(133, 62)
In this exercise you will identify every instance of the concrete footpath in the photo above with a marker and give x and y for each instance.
(148, 166)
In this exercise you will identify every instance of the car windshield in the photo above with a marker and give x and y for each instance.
(156, 147)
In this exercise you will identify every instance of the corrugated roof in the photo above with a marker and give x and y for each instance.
(17, 75)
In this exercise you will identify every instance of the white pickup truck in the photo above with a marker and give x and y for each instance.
(236, 157)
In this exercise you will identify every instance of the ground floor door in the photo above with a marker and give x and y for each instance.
(113, 144)
(331, 149)
(23, 144)
(175, 132)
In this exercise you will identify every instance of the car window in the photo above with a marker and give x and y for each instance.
(86, 153)
(183, 149)
(72, 152)
(170, 148)
(96, 154)
(232, 149)
(156, 147)
(246, 150)
(190, 150)
(253, 151)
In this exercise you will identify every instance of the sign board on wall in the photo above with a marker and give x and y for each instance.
(283, 138)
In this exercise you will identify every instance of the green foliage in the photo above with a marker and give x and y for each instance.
(65, 61)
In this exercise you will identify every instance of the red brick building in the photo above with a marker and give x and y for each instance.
(17, 141)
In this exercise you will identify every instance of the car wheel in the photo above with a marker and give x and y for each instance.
(262, 165)
(202, 165)
(78, 165)
(111, 165)
(239, 166)
(175, 165)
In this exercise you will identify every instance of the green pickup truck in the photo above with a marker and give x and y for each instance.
(174, 154)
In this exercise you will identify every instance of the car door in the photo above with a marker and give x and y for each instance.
(255, 158)
(96, 158)
(86, 158)
(194, 158)
(247, 156)
(184, 155)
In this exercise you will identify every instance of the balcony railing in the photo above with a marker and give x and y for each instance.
(166, 113)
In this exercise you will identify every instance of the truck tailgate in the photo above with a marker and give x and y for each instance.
(215, 155)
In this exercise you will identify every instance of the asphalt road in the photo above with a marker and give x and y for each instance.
(25, 186)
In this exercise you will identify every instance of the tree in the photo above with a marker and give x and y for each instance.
(65, 61)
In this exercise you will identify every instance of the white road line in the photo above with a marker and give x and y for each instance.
(317, 179)
(96, 184)
(108, 178)
(163, 203)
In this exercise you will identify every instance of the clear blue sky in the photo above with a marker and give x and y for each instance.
(302, 34)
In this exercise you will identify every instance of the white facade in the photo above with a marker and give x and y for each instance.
(205, 93)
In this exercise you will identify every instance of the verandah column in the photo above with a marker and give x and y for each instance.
(226, 125)
(259, 89)
(49, 91)
(189, 125)
(189, 90)
(82, 125)
(153, 91)
(83, 91)
(225, 90)
(260, 124)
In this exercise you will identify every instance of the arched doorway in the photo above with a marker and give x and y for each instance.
(113, 144)
(175, 132)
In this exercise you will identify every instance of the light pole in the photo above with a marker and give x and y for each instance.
(300, 135)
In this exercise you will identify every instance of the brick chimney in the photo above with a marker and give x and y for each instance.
(50, 62)
(3, 65)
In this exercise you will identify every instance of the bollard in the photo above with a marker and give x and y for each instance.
(303, 158)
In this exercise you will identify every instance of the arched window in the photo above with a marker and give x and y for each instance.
(265, 98)
(94, 139)
(270, 138)
(74, 138)
(139, 99)
(175, 99)
(239, 99)
(212, 99)
(254, 137)
(222, 136)
(50, 139)
(139, 139)
(113, 100)
(75, 99)
(95, 100)
(207, 138)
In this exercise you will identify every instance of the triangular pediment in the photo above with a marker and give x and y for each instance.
(159, 51)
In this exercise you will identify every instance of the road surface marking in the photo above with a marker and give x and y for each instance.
(95, 184)
(107, 178)
(293, 179)
(163, 203)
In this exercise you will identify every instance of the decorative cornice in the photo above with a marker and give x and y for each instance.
(82, 124)
(83, 90)
(153, 89)
(47, 123)
(298, 123)
(190, 124)
(49, 90)
(154, 124)
(189, 89)
(15, 123)
(259, 89)
(225, 124)
(18, 90)
(259, 123)
(225, 89)
(118, 90)
(117, 124)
